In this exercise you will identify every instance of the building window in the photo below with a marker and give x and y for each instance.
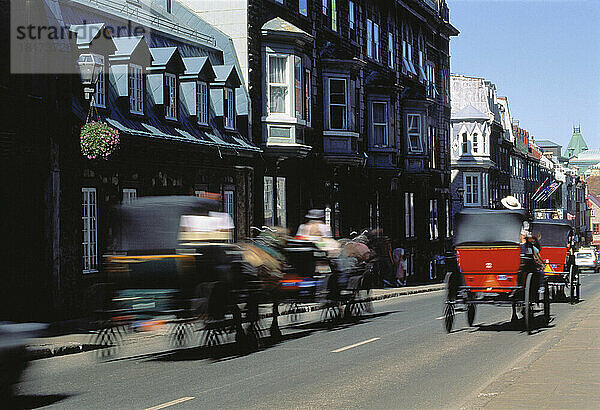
(432, 147)
(369, 38)
(298, 92)
(414, 132)
(433, 219)
(596, 229)
(281, 202)
(326, 7)
(351, 17)
(90, 239)
(421, 45)
(136, 89)
(100, 94)
(202, 102)
(390, 50)
(465, 143)
(431, 88)
(268, 201)
(409, 214)
(229, 109)
(129, 195)
(471, 183)
(307, 97)
(169, 6)
(448, 220)
(171, 104)
(333, 15)
(379, 114)
(407, 39)
(278, 87)
(303, 7)
(475, 143)
(229, 206)
(338, 104)
(279, 1)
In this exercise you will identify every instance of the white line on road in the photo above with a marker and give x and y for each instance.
(341, 349)
(171, 403)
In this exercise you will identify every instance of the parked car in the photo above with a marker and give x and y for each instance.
(586, 260)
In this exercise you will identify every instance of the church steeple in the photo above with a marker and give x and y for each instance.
(577, 144)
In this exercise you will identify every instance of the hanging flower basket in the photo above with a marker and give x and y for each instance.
(98, 140)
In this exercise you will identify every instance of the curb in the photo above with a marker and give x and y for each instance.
(47, 351)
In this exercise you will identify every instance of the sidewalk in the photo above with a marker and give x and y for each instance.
(565, 375)
(40, 348)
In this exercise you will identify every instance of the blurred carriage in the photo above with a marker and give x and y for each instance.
(172, 263)
(560, 270)
(492, 269)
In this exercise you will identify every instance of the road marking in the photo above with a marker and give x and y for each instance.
(171, 403)
(341, 349)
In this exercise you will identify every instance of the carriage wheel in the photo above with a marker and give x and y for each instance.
(528, 304)
(546, 303)
(108, 339)
(180, 335)
(448, 317)
(470, 314)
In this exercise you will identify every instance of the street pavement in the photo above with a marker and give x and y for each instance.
(396, 357)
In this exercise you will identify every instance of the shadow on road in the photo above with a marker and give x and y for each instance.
(26, 401)
(515, 326)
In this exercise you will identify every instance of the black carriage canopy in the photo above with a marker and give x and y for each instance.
(488, 227)
(152, 223)
(553, 233)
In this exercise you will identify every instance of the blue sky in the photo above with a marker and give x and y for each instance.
(544, 55)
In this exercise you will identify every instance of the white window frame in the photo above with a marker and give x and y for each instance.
(409, 214)
(432, 91)
(433, 219)
(345, 105)
(229, 206)
(411, 133)
(390, 49)
(129, 194)
(376, 53)
(89, 218)
(470, 192)
(228, 108)
(475, 143)
(136, 89)
(351, 15)
(268, 198)
(100, 93)
(202, 102)
(285, 85)
(386, 140)
(171, 106)
(369, 38)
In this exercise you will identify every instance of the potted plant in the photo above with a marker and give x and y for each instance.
(98, 140)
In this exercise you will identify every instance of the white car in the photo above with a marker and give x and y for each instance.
(587, 260)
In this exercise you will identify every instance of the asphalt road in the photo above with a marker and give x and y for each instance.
(397, 357)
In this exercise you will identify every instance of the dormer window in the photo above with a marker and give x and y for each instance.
(170, 96)
(202, 102)
(228, 109)
(100, 94)
(136, 89)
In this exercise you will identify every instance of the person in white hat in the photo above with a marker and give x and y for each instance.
(510, 202)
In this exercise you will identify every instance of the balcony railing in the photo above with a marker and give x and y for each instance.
(134, 11)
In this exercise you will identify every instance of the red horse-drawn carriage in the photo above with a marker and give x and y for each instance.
(555, 239)
(493, 267)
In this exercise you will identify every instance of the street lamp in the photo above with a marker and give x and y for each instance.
(461, 194)
(90, 67)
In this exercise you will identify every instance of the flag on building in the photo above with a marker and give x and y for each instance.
(553, 187)
(570, 217)
(538, 190)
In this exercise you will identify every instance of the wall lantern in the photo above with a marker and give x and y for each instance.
(90, 66)
(461, 194)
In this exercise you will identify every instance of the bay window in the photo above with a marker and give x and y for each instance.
(298, 92)
(414, 132)
(278, 86)
(338, 104)
(379, 112)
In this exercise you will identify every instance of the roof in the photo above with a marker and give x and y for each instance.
(226, 73)
(86, 32)
(588, 155)
(470, 113)
(546, 144)
(279, 24)
(595, 199)
(577, 144)
(126, 45)
(162, 55)
(193, 65)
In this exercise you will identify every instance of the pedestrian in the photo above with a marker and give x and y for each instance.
(315, 227)
(400, 265)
